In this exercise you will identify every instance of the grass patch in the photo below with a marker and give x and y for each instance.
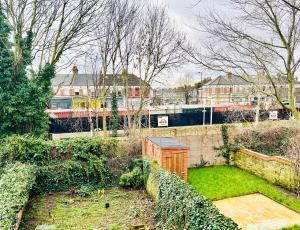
(126, 209)
(220, 182)
(296, 227)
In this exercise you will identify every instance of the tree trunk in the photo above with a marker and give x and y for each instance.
(104, 126)
(257, 110)
(291, 96)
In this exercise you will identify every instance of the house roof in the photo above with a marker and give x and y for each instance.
(91, 79)
(227, 80)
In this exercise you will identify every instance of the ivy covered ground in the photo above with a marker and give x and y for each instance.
(220, 182)
(127, 208)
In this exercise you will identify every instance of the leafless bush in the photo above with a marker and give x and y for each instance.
(293, 153)
(130, 149)
(238, 116)
(269, 141)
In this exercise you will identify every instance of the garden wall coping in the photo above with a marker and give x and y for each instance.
(264, 157)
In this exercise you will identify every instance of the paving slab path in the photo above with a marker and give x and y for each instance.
(258, 212)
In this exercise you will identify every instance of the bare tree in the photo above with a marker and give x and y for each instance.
(293, 4)
(263, 36)
(158, 49)
(186, 84)
(51, 26)
(105, 36)
(127, 52)
(111, 31)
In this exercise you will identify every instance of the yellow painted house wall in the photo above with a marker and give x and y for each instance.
(85, 103)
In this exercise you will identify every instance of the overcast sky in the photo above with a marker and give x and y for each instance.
(184, 13)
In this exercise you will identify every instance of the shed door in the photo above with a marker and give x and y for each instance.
(175, 163)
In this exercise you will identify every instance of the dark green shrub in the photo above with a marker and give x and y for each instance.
(134, 178)
(86, 190)
(16, 182)
(25, 149)
(67, 163)
(180, 206)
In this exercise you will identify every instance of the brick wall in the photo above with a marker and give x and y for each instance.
(274, 169)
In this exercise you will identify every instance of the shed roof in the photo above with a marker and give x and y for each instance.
(167, 142)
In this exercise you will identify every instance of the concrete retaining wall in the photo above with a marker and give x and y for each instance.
(202, 141)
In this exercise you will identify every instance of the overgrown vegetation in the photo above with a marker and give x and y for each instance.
(102, 209)
(271, 141)
(16, 182)
(296, 227)
(69, 163)
(225, 150)
(220, 182)
(293, 153)
(180, 206)
(134, 178)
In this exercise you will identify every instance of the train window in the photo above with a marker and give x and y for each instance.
(82, 105)
(54, 105)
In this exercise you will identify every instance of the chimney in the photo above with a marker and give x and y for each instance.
(75, 70)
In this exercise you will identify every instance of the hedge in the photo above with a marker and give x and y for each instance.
(66, 164)
(179, 205)
(15, 184)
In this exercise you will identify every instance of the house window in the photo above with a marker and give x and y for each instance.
(119, 93)
(71, 91)
(76, 93)
(137, 92)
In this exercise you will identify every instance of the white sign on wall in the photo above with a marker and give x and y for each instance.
(273, 115)
(163, 121)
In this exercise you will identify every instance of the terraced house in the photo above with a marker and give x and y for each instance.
(232, 89)
(82, 91)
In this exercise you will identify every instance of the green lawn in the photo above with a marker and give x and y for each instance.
(219, 182)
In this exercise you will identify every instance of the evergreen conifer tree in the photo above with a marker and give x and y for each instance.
(23, 99)
(6, 68)
(114, 114)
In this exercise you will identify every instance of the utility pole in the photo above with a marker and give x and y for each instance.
(201, 79)
(211, 112)
(204, 111)
(149, 117)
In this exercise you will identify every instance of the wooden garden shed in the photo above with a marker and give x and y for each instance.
(169, 154)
